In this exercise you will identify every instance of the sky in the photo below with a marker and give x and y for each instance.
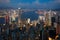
(39, 4)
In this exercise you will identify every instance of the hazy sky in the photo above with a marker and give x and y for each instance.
(42, 4)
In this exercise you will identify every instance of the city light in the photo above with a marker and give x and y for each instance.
(16, 23)
(41, 17)
(28, 20)
(19, 8)
(55, 13)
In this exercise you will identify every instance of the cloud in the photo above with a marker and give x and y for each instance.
(36, 2)
(4, 1)
(33, 4)
(57, 1)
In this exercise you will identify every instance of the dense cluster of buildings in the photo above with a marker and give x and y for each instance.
(50, 19)
(9, 16)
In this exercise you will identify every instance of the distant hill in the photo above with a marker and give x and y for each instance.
(56, 9)
(1, 7)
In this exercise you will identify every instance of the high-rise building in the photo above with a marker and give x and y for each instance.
(28, 20)
(58, 23)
